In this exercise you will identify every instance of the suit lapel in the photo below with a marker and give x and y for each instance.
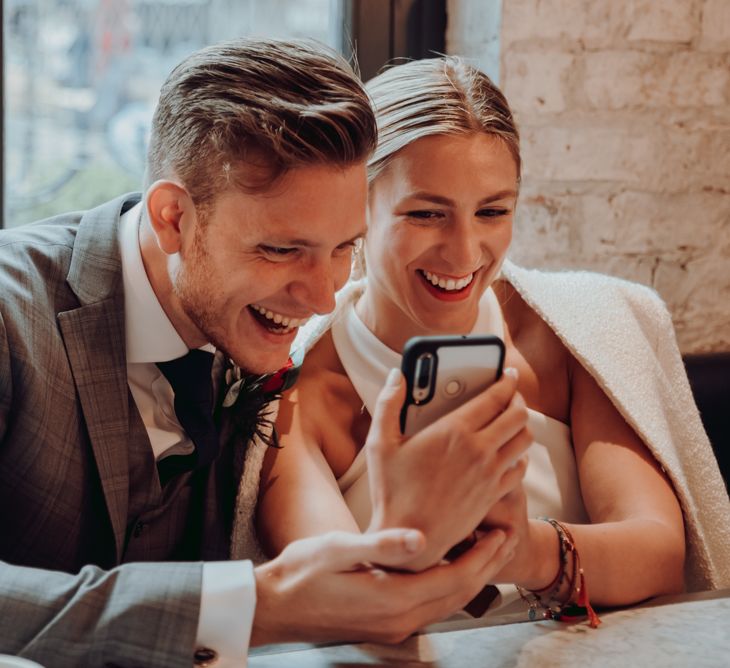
(94, 336)
(94, 340)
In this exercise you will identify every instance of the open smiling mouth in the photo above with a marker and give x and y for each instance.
(275, 322)
(446, 285)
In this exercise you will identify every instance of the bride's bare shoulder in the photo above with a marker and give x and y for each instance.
(323, 408)
(537, 352)
(322, 365)
(323, 388)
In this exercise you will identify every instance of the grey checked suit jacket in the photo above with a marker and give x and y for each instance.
(66, 420)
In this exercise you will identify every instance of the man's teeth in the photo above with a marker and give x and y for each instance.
(448, 283)
(283, 321)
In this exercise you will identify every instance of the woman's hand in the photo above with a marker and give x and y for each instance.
(445, 479)
(536, 559)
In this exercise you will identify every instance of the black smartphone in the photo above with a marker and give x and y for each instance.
(442, 372)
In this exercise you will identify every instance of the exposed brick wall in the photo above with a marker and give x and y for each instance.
(624, 109)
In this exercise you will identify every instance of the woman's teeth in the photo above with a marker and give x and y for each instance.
(279, 320)
(448, 283)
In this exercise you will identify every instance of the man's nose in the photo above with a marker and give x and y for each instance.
(315, 288)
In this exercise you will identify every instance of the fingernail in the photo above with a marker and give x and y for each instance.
(511, 371)
(413, 541)
(394, 378)
(501, 535)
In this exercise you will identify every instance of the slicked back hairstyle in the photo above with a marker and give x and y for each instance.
(436, 96)
(271, 104)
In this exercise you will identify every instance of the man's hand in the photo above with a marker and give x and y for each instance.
(445, 479)
(325, 589)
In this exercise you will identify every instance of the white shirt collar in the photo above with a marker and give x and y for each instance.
(150, 336)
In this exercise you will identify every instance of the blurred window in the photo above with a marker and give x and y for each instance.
(81, 78)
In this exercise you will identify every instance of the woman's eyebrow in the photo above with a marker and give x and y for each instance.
(445, 201)
(502, 194)
(429, 197)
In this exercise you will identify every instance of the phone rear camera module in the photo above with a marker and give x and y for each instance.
(423, 371)
(423, 377)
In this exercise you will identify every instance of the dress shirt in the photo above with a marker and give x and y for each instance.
(228, 588)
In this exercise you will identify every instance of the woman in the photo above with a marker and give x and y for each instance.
(593, 356)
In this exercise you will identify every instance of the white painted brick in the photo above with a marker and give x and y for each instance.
(592, 23)
(657, 158)
(715, 34)
(637, 268)
(666, 223)
(614, 79)
(697, 293)
(627, 159)
(662, 21)
(625, 223)
(543, 220)
(632, 79)
(536, 84)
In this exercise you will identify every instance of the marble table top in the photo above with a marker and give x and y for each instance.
(689, 630)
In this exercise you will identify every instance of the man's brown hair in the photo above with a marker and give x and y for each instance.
(266, 103)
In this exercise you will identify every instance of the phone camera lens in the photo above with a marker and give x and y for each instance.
(423, 371)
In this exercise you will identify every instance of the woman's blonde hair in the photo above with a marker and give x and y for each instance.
(436, 96)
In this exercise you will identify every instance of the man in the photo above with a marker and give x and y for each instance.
(116, 507)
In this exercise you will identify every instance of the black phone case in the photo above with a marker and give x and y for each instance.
(419, 345)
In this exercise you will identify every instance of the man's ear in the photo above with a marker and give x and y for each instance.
(169, 206)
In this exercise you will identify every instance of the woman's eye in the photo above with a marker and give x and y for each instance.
(425, 214)
(493, 213)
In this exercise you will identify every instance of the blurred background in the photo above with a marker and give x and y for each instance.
(623, 106)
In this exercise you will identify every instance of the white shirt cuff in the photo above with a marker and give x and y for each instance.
(227, 607)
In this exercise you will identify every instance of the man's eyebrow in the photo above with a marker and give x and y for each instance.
(445, 201)
(308, 243)
(359, 235)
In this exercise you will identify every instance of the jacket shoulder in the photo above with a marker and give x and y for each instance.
(588, 287)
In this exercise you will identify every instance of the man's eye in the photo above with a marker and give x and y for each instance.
(346, 247)
(278, 250)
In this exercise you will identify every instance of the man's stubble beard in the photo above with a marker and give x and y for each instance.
(195, 287)
(199, 303)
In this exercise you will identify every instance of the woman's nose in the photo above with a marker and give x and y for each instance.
(462, 247)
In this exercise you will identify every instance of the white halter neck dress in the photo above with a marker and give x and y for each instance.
(551, 481)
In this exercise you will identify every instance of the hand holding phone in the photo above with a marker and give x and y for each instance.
(444, 478)
(443, 372)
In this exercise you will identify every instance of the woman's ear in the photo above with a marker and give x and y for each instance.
(167, 204)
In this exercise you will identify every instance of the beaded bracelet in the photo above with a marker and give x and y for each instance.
(574, 603)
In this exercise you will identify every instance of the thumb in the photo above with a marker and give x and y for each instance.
(340, 551)
(386, 420)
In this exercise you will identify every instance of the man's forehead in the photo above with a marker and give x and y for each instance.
(264, 181)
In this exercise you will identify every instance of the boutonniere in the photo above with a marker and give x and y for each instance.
(248, 396)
